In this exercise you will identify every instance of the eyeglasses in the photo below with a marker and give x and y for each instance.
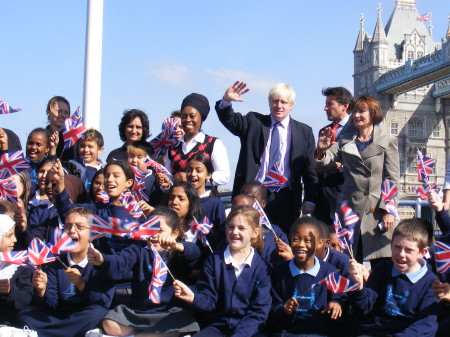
(78, 228)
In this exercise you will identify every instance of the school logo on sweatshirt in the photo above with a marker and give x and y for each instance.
(395, 303)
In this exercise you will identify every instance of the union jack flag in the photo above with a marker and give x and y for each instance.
(8, 191)
(5, 108)
(39, 253)
(425, 17)
(424, 167)
(337, 284)
(139, 184)
(166, 138)
(146, 230)
(130, 204)
(101, 226)
(61, 242)
(274, 180)
(341, 232)
(388, 192)
(201, 229)
(157, 166)
(422, 191)
(263, 219)
(102, 196)
(350, 220)
(14, 257)
(159, 276)
(442, 256)
(73, 129)
(12, 163)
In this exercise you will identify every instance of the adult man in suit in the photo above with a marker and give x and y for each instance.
(338, 103)
(294, 140)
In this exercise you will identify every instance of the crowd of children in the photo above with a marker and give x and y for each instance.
(229, 272)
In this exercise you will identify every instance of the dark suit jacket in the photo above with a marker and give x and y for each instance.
(330, 184)
(253, 130)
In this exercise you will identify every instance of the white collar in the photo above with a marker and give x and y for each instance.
(344, 120)
(284, 122)
(83, 263)
(198, 138)
(229, 259)
(205, 195)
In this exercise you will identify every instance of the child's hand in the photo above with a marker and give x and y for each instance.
(441, 290)
(183, 292)
(284, 250)
(388, 220)
(74, 276)
(39, 282)
(180, 177)
(5, 288)
(3, 140)
(53, 143)
(356, 271)
(167, 242)
(20, 217)
(56, 174)
(146, 208)
(163, 180)
(334, 309)
(435, 201)
(290, 306)
(95, 257)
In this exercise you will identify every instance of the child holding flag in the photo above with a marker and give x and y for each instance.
(72, 296)
(233, 288)
(159, 311)
(300, 305)
(398, 296)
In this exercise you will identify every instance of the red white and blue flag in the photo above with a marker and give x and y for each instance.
(8, 190)
(274, 180)
(157, 166)
(146, 230)
(102, 196)
(424, 167)
(422, 191)
(337, 284)
(12, 163)
(5, 108)
(14, 257)
(388, 192)
(425, 17)
(101, 226)
(73, 129)
(166, 138)
(442, 256)
(263, 218)
(130, 204)
(159, 277)
(350, 220)
(341, 232)
(201, 230)
(61, 242)
(139, 184)
(39, 253)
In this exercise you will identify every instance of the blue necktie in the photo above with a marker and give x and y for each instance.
(274, 154)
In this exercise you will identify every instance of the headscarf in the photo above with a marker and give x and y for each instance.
(5, 224)
(197, 101)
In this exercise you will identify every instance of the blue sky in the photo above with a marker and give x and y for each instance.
(157, 52)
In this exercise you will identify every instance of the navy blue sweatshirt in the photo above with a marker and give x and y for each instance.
(394, 305)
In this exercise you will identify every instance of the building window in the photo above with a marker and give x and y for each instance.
(394, 128)
(437, 131)
(410, 55)
(402, 166)
(412, 161)
(415, 127)
(419, 54)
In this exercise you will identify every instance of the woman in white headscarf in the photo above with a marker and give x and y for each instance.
(16, 289)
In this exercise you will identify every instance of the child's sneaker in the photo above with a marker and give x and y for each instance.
(9, 331)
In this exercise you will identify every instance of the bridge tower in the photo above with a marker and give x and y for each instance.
(413, 115)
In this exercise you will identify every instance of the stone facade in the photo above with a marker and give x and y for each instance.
(415, 117)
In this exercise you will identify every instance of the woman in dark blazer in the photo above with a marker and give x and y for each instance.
(369, 156)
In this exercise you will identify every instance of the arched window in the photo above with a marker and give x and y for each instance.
(415, 127)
